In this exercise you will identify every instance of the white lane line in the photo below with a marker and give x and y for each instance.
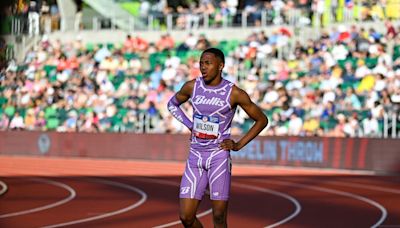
(4, 188)
(172, 183)
(283, 195)
(366, 186)
(338, 192)
(370, 187)
(255, 188)
(48, 206)
(179, 222)
(109, 214)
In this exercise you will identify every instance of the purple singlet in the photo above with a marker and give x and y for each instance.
(207, 163)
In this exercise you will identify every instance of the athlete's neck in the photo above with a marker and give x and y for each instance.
(215, 82)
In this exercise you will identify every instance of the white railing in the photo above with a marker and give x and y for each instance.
(160, 22)
(17, 26)
(10, 52)
(390, 125)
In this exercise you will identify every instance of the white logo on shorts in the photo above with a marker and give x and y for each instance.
(215, 193)
(185, 190)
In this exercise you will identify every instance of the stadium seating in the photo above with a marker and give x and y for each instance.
(259, 66)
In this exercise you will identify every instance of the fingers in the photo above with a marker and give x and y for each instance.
(227, 144)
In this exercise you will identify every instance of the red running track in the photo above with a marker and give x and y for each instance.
(55, 192)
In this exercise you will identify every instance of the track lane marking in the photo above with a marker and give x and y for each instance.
(172, 183)
(251, 187)
(337, 192)
(283, 195)
(4, 188)
(109, 214)
(367, 186)
(177, 222)
(48, 206)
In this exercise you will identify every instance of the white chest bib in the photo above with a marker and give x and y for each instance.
(206, 127)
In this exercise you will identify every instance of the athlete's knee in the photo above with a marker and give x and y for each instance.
(187, 220)
(219, 218)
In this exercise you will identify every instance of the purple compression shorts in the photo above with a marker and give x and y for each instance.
(213, 169)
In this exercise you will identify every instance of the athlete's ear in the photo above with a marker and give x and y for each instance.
(221, 66)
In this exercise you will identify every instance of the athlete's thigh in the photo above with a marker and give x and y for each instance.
(194, 180)
(219, 176)
(188, 207)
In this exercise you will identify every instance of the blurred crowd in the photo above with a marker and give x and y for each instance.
(343, 83)
(191, 14)
(35, 17)
(32, 17)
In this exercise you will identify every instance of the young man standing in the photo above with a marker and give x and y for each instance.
(214, 102)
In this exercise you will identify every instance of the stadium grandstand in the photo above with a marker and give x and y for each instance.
(317, 68)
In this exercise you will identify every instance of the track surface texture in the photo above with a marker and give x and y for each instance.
(59, 192)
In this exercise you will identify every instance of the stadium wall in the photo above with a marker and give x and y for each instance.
(380, 155)
(218, 34)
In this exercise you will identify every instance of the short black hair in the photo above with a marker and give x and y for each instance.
(218, 53)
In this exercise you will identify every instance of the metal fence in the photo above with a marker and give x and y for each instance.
(159, 22)
(391, 125)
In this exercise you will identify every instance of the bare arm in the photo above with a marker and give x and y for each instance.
(241, 98)
(180, 97)
(185, 92)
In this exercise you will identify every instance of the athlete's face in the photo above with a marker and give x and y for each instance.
(210, 67)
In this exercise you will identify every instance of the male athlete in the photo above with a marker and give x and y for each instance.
(214, 102)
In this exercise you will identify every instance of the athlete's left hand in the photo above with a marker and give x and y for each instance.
(229, 144)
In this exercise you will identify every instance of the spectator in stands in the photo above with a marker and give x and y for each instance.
(33, 18)
(370, 126)
(128, 44)
(222, 14)
(165, 43)
(101, 54)
(155, 77)
(189, 43)
(339, 129)
(311, 126)
(352, 127)
(40, 123)
(390, 30)
(278, 6)
(139, 44)
(202, 42)
(144, 10)
(4, 122)
(17, 122)
(295, 124)
(45, 19)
